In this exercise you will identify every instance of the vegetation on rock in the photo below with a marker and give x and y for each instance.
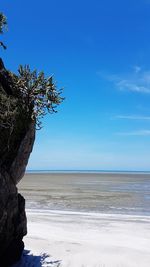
(3, 24)
(25, 98)
(36, 94)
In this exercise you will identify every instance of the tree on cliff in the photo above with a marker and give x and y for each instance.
(38, 94)
(25, 98)
(3, 24)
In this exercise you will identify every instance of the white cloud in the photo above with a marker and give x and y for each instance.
(146, 77)
(132, 117)
(133, 86)
(135, 133)
(137, 69)
(138, 80)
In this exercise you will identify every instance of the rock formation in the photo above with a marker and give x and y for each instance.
(17, 134)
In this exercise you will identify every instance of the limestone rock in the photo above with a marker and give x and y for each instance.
(17, 134)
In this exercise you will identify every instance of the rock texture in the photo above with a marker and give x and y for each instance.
(17, 134)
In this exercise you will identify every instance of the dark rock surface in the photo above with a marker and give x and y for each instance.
(17, 134)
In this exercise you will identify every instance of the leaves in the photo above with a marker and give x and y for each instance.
(39, 93)
(3, 25)
(3, 22)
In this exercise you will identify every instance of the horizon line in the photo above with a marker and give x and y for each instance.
(86, 170)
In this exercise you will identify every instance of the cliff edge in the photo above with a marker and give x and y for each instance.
(17, 135)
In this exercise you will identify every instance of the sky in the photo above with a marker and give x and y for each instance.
(99, 52)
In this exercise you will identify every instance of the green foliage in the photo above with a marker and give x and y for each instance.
(3, 22)
(7, 111)
(38, 94)
(3, 25)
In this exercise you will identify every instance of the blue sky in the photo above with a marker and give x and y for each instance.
(99, 51)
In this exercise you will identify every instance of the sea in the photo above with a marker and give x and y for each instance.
(104, 192)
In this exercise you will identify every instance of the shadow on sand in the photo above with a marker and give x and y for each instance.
(29, 260)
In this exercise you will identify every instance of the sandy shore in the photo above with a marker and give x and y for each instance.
(74, 239)
(89, 230)
(96, 192)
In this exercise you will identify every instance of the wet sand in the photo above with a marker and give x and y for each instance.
(105, 193)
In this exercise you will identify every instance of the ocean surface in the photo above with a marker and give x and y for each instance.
(101, 192)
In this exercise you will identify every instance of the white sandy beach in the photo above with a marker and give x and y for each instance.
(87, 231)
(74, 239)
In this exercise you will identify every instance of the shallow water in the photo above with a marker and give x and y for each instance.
(90, 192)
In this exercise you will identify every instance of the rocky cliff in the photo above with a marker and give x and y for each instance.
(17, 134)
